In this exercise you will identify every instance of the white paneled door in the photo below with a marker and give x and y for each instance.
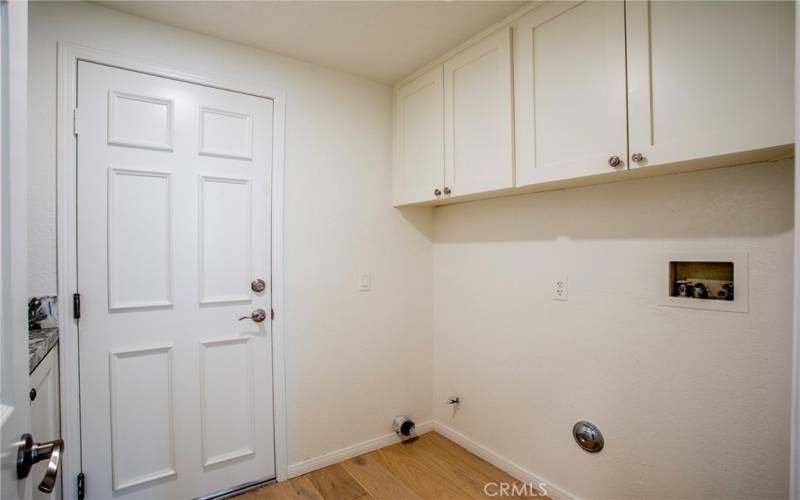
(173, 231)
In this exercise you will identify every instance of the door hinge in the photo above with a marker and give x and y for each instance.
(75, 121)
(272, 314)
(81, 486)
(76, 306)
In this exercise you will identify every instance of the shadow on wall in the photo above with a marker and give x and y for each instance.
(419, 217)
(723, 202)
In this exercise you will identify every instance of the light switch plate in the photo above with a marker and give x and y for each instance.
(365, 282)
(561, 289)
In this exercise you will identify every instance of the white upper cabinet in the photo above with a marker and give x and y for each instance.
(419, 139)
(478, 111)
(570, 91)
(599, 87)
(708, 78)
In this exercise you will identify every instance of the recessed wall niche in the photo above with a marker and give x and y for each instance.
(701, 280)
(707, 281)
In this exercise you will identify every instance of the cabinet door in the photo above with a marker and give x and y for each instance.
(570, 91)
(478, 117)
(707, 78)
(45, 416)
(419, 139)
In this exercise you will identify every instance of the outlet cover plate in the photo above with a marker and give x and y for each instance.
(561, 289)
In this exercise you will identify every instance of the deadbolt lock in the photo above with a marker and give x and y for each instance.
(258, 285)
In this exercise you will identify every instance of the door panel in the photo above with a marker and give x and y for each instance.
(478, 117)
(140, 236)
(173, 225)
(570, 91)
(709, 78)
(227, 392)
(142, 435)
(140, 121)
(419, 139)
(226, 133)
(224, 216)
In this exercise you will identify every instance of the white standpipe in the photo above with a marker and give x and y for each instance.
(404, 427)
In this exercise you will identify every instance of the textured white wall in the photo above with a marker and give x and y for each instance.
(346, 350)
(693, 404)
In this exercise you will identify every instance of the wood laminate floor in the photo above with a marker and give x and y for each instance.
(429, 467)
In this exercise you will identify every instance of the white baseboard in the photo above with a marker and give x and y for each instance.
(343, 454)
(478, 449)
(502, 463)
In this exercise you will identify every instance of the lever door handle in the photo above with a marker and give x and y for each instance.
(29, 453)
(56, 449)
(258, 316)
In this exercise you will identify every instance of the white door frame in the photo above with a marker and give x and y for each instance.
(68, 56)
(14, 377)
(794, 461)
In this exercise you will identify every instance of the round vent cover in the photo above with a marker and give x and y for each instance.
(588, 436)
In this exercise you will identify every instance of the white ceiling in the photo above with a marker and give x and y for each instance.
(380, 40)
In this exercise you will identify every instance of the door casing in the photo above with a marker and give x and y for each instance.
(66, 166)
(14, 377)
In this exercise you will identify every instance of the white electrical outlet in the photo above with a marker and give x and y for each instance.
(560, 289)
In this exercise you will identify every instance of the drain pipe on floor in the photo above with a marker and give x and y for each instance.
(404, 427)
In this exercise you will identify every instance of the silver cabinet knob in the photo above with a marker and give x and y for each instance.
(437, 192)
(637, 157)
(258, 316)
(30, 453)
(447, 190)
(614, 161)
